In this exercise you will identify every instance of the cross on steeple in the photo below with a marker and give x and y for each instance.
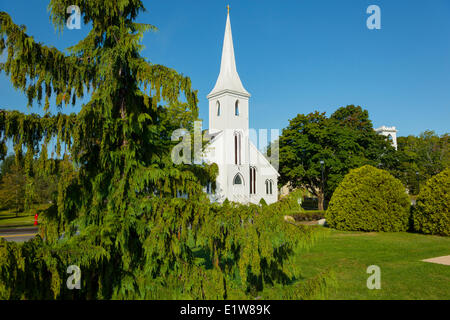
(228, 9)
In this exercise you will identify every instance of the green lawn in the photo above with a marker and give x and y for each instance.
(8, 217)
(403, 275)
(348, 254)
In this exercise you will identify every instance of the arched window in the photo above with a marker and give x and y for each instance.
(269, 186)
(252, 180)
(237, 148)
(236, 108)
(237, 179)
(218, 108)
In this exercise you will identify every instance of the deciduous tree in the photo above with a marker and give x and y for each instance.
(344, 141)
(12, 189)
(421, 157)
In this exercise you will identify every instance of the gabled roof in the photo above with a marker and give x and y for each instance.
(264, 159)
(260, 160)
(212, 136)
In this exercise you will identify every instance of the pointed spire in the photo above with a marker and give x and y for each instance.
(228, 78)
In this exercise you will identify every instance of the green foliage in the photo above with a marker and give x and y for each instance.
(12, 189)
(118, 214)
(25, 273)
(369, 199)
(20, 189)
(7, 165)
(312, 204)
(311, 215)
(344, 141)
(432, 212)
(290, 202)
(420, 158)
(252, 251)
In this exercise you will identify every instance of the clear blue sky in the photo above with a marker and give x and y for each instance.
(293, 56)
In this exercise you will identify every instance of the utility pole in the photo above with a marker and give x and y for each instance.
(418, 184)
(323, 188)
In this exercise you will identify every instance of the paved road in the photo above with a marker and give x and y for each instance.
(18, 234)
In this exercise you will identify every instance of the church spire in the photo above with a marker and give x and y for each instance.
(228, 79)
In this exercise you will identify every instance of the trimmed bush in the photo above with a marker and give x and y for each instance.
(369, 199)
(432, 212)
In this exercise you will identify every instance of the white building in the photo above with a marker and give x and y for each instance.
(245, 175)
(390, 133)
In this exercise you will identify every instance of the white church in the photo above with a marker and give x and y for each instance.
(245, 175)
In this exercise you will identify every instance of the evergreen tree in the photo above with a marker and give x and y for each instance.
(118, 208)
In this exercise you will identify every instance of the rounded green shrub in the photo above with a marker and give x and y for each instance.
(432, 212)
(369, 199)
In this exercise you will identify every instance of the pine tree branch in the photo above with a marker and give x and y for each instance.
(31, 65)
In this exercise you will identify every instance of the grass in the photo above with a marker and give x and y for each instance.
(403, 275)
(9, 219)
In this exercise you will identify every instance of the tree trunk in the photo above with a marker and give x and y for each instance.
(17, 204)
(321, 199)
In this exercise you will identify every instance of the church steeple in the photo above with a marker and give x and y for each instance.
(228, 80)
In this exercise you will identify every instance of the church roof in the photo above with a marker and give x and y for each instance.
(228, 79)
(212, 135)
(256, 157)
(386, 129)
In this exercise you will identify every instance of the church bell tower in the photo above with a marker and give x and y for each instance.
(228, 117)
(228, 101)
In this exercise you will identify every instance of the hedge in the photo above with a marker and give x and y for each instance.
(369, 199)
(312, 215)
(432, 212)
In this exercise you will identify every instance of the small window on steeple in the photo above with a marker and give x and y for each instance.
(218, 108)
(236, 108)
